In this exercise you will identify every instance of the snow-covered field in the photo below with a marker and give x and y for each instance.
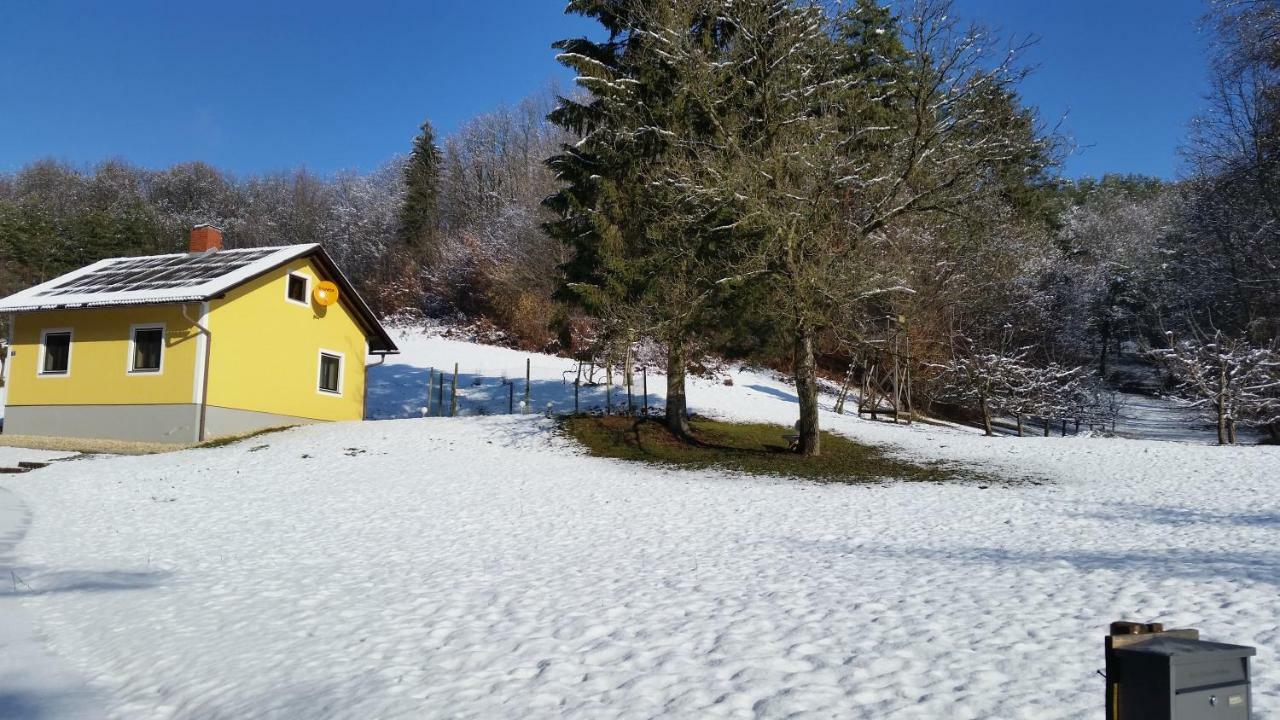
(1158, 418)
(482, 567)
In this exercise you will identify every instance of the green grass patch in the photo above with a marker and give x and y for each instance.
(754, 448)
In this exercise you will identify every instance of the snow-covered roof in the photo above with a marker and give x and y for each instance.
(180, 278)
(152, 279)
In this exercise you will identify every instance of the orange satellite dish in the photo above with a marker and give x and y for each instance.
(325, 294)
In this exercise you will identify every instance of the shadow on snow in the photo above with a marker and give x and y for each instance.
(32, 582)
(400, 391)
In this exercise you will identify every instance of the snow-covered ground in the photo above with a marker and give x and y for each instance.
(1157, 418)
(482, 567)
(1144, 412)
(33, 682)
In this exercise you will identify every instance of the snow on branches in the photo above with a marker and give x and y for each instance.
(1003, 381)
(1230, 380)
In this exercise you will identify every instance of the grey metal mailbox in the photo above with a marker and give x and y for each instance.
(1174, 675)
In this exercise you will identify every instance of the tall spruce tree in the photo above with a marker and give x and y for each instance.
(644, 249)
(778, 162)
(419, 215)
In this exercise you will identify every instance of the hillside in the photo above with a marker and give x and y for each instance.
(480, 567)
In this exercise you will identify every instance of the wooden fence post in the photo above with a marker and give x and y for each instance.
(608, 389)
(528, 374)
(440, 397)
(511, 398)
(897, 394)
(844, 390)
(644, 387)
(453, 393)
(906, 340)
(577, 381)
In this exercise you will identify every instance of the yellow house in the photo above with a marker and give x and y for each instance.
(187, 347)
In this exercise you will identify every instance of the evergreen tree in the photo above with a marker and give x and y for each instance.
(419, 216)
(643, 248)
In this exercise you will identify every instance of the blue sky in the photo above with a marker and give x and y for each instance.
(258, 86)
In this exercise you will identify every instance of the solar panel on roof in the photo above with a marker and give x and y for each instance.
(152, 273)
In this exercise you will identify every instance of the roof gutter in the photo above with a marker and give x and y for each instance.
(204, 380)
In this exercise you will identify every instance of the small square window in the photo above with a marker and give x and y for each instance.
(297, 290)
(57, 354)
(148, 345)
(330, 373)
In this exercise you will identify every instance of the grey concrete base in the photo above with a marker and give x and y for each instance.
(220, 421)
(138, 423)
(133, 423)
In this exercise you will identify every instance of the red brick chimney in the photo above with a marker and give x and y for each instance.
(205, 237)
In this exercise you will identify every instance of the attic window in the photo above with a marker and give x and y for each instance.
(297, 288)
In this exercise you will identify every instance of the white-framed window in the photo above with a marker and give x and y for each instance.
(329, 374)
(296, 288)
(146, 349)
(55, 353)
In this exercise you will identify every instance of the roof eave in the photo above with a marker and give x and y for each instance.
(106, 303)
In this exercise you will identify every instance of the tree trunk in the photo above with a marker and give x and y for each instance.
(906, 339)
(986, 416)
(807, 391)
(1046, 427)
(1222, 421)
(1019, 424)
(608, 384)
(873, 400)
(1231, 431)
(1105, 332)
(677, 419)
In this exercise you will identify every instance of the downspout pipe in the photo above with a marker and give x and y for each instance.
(204, 380)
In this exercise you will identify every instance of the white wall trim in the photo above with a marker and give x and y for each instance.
(133, 332)
(197, 381)
(9, 350)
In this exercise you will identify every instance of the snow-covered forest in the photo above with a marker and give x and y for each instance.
(789, 185)
(487, 187)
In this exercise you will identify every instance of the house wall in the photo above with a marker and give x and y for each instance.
(100, 359)
(265, 351)
(178, 423)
